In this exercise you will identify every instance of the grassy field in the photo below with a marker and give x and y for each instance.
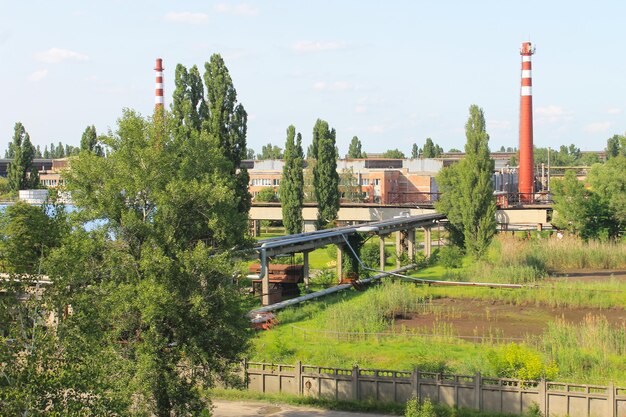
(359, 327)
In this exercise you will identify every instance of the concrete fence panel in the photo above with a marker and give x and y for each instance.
(499, 395)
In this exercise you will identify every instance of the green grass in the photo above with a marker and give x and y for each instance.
(352, 327)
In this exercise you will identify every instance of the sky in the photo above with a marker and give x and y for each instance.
(392, 73)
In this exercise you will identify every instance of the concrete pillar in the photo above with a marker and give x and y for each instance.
(305, 262)
(398, 247)
(339, 262)
(382, 252)
(265, 284)
(427, 241)
(411, 244)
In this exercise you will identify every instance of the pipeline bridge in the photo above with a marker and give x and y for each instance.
(403, 226)
(529, 217)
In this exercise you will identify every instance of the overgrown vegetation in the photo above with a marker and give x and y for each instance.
(361, 327)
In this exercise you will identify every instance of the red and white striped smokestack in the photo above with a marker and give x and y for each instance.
(526, 177)
(158, 98)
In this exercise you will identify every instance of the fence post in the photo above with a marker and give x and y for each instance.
(355, 382)
(298, 376)
(478, 391)
(611, 400)
(244, 372)
(543, 403)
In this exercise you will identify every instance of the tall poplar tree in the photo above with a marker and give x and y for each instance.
(325, 176)
(355, 150)
(218, 114)
(467, 190)
(23, 153)
(415, 151)
(89, 141)
(292, 184)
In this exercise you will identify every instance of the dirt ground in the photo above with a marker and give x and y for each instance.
(475, 319)
(589, 276)
(255, 409)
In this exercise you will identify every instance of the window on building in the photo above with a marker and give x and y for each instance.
(376, 181)
(365, 181)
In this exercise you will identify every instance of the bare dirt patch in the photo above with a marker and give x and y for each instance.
(582, 275)
(473, 318)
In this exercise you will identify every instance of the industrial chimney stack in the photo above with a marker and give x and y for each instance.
(158, 98)
(526, 177)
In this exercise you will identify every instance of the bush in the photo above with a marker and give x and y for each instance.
(520, 362)
(415, 409)
(370, 255)
(451, 257)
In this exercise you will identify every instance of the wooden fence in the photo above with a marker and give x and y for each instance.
(469, 391)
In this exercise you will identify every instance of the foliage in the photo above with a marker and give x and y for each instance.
(467, 190)
(270, 151)
(89, 141)
(393, 154)
(415, 151)
(325, 176)
(292, 183)
(616, 146)
(162, 292)
(451, 256)
(583, 211)
(60, 151)
(431, 150)
(21, 173)
(608, 181)
(355, 149)
(520, 362)
(267, 195)
(28, 234)
(416, 409)
(350, 187)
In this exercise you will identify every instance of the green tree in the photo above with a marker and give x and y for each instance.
(29, 234)
(616, 146)
(292, 184)
(415, 151)
(454, 150)
(349, 184)
(22, 174)
(467, 190)
(89, 141)
(267, 195)
(394, 154)
(250, 153)
(325, 176)
(582, 211)
(355, 150)
(608, 181)
(431, 150)
(162, 296)
(270, 151)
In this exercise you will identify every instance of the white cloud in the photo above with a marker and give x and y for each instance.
(239, 9)
(360, 109)
(187, 17)
(552, 114)
(56, 55)
(38, 75)
(310, 46)
(614, 110)
(598, 127)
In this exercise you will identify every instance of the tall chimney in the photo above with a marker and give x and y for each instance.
(526, 177)
(158, 98)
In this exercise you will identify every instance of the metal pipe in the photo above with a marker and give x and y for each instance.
(322, 293)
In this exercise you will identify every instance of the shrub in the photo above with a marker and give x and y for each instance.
(415, 409)
(518, 361)
(451, 257)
